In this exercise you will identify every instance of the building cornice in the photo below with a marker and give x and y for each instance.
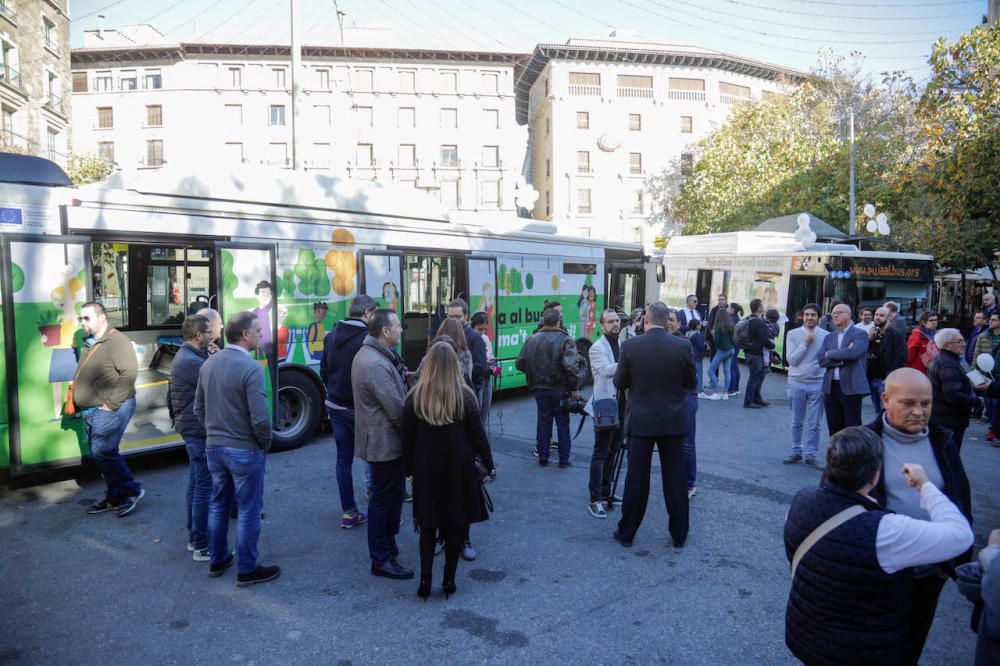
(677, 56)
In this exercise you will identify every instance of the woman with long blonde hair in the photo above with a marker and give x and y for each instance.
(442, 435)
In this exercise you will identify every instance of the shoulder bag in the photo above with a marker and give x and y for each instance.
(70, 407)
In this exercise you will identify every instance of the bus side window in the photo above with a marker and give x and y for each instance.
(110, 262)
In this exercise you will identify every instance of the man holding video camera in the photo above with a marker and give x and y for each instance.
(552, 365)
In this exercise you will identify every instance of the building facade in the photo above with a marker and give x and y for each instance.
(442, 121)
(604, 116)
(34, 78)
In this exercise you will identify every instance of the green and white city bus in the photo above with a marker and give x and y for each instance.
(153, 246)
(777, 269)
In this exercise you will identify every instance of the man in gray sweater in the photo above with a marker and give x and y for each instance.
(231, 403)
(805, 385)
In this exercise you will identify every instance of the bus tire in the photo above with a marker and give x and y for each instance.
(298, 412)
(583, 348)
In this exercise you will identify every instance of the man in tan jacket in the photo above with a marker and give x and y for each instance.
(379, 387)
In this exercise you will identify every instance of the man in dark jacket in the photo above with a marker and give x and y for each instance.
(759, 345)
(886, 352)
(851, 580)
(339, 347)
(953, 394)
(184, 371)
(657, 370)
(909, 436)
(550, 361)
(458, 310)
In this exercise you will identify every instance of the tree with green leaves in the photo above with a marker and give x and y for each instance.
(87, 168)
(311, 272)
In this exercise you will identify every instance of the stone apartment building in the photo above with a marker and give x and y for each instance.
(605, 115)
(441, 121)
(34, 78)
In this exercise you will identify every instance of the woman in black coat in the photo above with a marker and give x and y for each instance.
(442, 435)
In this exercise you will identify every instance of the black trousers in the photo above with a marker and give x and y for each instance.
(640, 458)
(756, 364)
(842, 411)
(926, 591)
(602, 463)
(453, 537)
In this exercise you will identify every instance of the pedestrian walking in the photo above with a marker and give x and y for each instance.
(378, 380)
(886, 353)
(758, 344)
(920, 346)
(910, 436)
(197, 334)
(231, 404)
(723, 352)
(103, 389)
(657, 370)
(604, 356)
(843, 355)
(442, 435)
(851, 559)
(549, 360)
(952, 391)
(340, 346)
(805, 386)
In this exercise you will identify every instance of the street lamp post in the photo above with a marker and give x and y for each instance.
(852, 229)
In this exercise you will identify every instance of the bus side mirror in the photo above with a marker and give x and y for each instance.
(828, 288)
(661, 273)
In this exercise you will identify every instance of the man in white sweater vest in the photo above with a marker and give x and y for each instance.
(805, 385)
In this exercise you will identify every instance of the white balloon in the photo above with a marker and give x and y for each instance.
(871, 226)
(881, 218)
(985, 362)
(803, 220)
(869, 210)
(810, 239)
(883, 228)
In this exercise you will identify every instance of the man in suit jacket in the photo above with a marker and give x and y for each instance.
(231, 404)
(657, 370)
(844, 355)
(686, 314)
(603, 364)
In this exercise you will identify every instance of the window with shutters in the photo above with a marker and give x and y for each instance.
(687, 163)
(105, 117)
(584, 83)
(103, 82)
(491, 156)
(279, 77)
(128, 80)
(635, 163)
(323, 79)
(154, 115)
(449, 156)
(236, 77)
(582, 120)
(634, 122)
(79, 82)
(583, 161)
(637, 204)
(687, 124)
(688, 90)
(152, 80)
(449, 118)
(154, 153)
(630, 85)
(730, 93)
(583, 201)
(277, 115)
(106, 149)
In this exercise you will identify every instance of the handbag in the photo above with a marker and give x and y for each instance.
(605, 414)
(484, 476)
(69, 409)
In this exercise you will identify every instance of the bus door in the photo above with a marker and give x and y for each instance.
(430, 282)
(483, 292)
(246, 279)
(381, 277)
(703, 290)
(45, 281)
(626, 286)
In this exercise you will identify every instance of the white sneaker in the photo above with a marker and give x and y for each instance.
(692, 491)
(715, 396)
(703, 395)
(202, 555)
(596, 509)
(190, 547)
(725, 396)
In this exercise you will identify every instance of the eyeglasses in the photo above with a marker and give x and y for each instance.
(85, 318)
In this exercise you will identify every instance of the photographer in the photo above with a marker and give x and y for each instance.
(604, 363)
(551, 363)
(634, 328)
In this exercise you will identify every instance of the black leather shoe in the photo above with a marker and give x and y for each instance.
(391, 569)
(753, 405)
(763, 403)
(620, 539)
(542, 462)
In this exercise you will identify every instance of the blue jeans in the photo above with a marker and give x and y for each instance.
(699, 366)
(690, 457)
(342, 421)
(756, 364)
(734, 372)
(806, 401)
(385, 509)
(199, 493)
(548, 401)
(105, 429)
(721, 358)
(239, 474)
(876, 387)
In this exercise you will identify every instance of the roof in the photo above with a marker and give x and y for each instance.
(790, 223)
(30, 170)
(181, 50)
(643, 53)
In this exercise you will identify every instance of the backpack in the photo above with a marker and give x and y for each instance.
(741, 336)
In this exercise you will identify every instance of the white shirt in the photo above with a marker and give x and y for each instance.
(865, 327)
(240, 347)
(840, 341)
(904, 542)
(692, 314)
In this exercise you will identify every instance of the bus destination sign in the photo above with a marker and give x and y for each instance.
(886, 268)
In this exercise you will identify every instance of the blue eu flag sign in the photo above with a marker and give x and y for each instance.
(10, 216)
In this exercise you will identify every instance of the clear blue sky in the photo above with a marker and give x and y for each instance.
(892, 34)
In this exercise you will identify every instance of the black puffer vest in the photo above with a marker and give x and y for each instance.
(843, 608)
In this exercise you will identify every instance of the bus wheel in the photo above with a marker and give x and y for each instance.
(583, 348)
(299, 411)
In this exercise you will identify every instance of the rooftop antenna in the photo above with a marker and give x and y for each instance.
(340, 20)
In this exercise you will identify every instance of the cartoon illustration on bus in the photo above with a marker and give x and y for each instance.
(58, 333)
(315, 333)
(264, 293)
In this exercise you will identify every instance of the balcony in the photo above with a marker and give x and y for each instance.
(585, 90)
(687, 95)
(8, 12)
(733, 99)
(11, 77)
(55, 104)
(635, 93)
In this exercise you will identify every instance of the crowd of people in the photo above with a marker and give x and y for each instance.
(870, 547)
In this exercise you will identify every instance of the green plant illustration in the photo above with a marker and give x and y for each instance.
(229, 279)
(529, 281)
(49, 317)
(286, 284)
(311, 272)
(16, 278)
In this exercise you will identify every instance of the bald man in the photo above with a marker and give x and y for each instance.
(909, 436)
(843, 353)
(214, 325)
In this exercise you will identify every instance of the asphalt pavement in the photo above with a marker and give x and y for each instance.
(550, 584)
